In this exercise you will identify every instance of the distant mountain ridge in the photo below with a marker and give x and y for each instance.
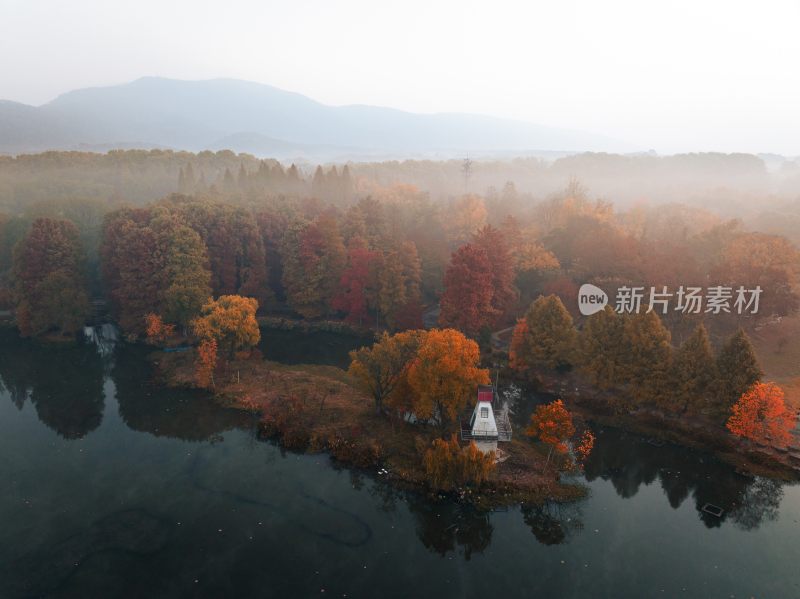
(263, 120)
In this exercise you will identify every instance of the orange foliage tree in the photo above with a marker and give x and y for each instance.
(552, 425)
(156, 329)
(584, 446)
(761, 415)
(516, 351)
(449, 466)
(206, 363)
(444, 375)
(230, 321)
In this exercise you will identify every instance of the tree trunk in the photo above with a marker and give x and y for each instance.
(549, 453)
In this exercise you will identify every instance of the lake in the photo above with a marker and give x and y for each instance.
(113, 487)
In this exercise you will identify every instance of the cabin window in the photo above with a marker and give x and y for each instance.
(484, 412)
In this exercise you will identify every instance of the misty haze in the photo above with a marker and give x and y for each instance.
(352, 299)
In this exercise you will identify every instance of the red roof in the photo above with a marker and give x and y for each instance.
(485, 393)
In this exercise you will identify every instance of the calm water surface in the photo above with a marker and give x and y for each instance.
(112, 487)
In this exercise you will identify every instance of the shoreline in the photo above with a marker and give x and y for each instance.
(314, 409)
(745, 456)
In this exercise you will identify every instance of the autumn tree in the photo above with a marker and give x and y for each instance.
(648, 359)
(466, 303)
(351, 297)
(504, 294)
(769, 261)
(314, 258)
(236, 254)
(550, 340)
(153, 263)
(602, 348)
(737, 371)
(761, 415)
(465, 217)
(584, 446)
(444, 375)
(49, 279)
(380, 369)
(449, 466)
(391, 288)
(156, 330)
(230, 321)
(552, 425)
(694, 373)
(301, 253)
(517, 350)
(206, 363)
(186, 276)
(132, 267)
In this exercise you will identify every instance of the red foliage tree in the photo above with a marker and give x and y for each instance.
(409, 316)
(493, 242)
(352, 297)
(467, 299)
(761, 415)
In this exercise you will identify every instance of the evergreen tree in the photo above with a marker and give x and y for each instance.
(737, 371)
(334, 256)
(228, 182)
(392, 288)
(318, 184)
(346, 184)
(694, 373)
(241, 178)
(412, 270)
(649, 356)
(551, 338)
(602, 348)
(187, 280)
(302, 276)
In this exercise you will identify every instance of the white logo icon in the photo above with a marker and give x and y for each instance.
(591, 299)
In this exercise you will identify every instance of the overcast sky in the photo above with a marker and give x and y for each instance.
(669, 75)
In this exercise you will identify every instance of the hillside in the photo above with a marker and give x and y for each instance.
(244, 116)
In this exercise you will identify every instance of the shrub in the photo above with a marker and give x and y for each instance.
(449, 466)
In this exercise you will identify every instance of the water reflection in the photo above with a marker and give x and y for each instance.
(64, 384)
(319, 347)
(553, 523)
(175, 413)
(445, 527)
(629, 461)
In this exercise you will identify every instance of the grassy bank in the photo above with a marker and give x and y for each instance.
(316, 409)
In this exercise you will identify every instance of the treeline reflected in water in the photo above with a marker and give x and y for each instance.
(65, 385)
(629, 461)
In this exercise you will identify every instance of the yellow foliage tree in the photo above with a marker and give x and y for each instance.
(379, 370)
(231, 321)
(444, 375)
(449, 466)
